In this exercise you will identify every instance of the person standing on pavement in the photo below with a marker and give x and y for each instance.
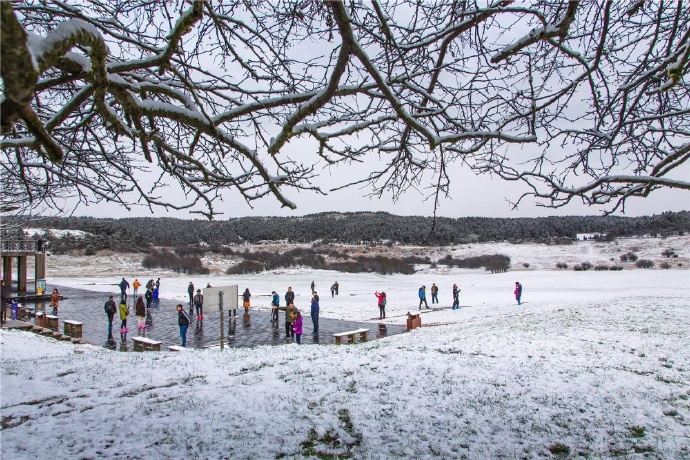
(55, 301)
(275, 303)
(183, 322)
(199, 304)
(124, 311)
(245, 300)
(315, 314)
(289, 296)
(190, 291)
(290, 317)
(148, 295)
(297, 327)
(140, 310)
(124, 285)
(110, 309)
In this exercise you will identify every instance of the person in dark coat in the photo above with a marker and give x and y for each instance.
(110, 309)
(124, 285)
(289, 296)
(183, 322)
(199, 304)
(148, 295)
(315, 314)
(140, 311)
(456, 297)
(190, 291)
(245, 300)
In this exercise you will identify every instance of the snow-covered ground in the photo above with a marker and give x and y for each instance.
(593, 365)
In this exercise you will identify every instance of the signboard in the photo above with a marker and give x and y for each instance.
(212, 298)
(40, 286)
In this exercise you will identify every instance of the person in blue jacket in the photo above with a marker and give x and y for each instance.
(275, 303)
(315, 313)
(422, 297)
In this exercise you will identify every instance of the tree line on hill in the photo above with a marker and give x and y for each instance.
(140, 234)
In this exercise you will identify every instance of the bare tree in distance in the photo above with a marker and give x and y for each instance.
(121, 100)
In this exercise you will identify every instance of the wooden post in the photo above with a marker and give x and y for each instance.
(222, 325)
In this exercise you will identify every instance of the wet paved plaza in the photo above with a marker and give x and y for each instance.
(239, 331)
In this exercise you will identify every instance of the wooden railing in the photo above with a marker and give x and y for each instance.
(30, 246)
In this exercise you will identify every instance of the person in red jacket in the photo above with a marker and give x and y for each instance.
(382, 304)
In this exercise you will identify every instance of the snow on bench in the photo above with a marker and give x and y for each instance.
(351, 335)
(177, 348)
(146, 344)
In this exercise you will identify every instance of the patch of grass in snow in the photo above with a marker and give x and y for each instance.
(142, 389)
(636, 431)
(334, 444)
(11, 421)
(559, 449)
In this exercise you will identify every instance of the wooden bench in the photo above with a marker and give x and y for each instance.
(73, 328)
(145, 344)
(176, 348)
(351, 336)
(52, 322)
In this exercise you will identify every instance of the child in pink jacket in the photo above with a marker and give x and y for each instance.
(297, 327)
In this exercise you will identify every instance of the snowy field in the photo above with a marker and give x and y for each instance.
(593, 365)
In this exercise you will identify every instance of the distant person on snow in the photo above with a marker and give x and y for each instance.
(434, 294)
(245, 300)
(289, 296)
(456, 297)
(315, 314)
(422, 297)
(337, 286)
(382, 304)
(332, 290)
(312, 286)
(110, 309)
(199, 304)
(518, 292)
(275, 303)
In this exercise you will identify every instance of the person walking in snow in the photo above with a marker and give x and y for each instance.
(290, 317)
(381, 296)
(315, 314)
(245, 300)
(456, 297)
(297, 328)
(183, 322)
(124, 312)
(518, 292)
(199, 304)
(275, 304)
(140, 312)
(332, 290)
(337, 286)
(434, 294)
(422, 297)
(110, 309)
(289, 296)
